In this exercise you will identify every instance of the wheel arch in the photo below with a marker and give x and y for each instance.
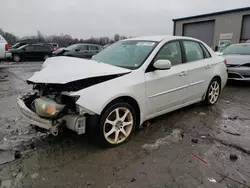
(130, 100)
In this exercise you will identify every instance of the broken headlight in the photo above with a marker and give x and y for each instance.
(47, 108)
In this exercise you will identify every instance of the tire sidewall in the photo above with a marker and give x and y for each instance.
(16, 55)
(207, 101)
(105, 114)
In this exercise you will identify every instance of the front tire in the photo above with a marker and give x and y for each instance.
(117, 124)
(213, 92)
(16, 58)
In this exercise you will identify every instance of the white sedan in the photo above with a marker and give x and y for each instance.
(124, 85)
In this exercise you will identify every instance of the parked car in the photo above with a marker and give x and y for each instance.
(31, 51)
(238, 61)
(3, 47)
(124, 85)
(79, 50)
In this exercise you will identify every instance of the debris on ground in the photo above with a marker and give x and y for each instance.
(233, 157)
(195, 140)
(212, 180)
(203, 137)
(198, 157)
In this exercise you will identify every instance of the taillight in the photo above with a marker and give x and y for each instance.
(54, 49)
(6, 47)
(225, 61)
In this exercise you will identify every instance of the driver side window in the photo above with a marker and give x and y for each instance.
(170, 51)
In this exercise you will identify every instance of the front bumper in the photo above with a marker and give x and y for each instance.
(239, 73)
(74, 122)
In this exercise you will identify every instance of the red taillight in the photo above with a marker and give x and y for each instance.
(6, 47)
(54, 49)
(225, 61)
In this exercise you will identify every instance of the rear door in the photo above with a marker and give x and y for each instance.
(199, 65)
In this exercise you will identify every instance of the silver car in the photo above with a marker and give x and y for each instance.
(238, 61)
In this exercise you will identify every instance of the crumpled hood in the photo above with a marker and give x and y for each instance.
(235, 59)
(61, 70)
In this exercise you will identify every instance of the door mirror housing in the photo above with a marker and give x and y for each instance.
(162, 64)
(77, 50)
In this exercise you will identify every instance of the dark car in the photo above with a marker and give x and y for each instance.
(79, 50)
(31, 51)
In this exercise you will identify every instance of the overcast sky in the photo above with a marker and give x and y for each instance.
(86, 18)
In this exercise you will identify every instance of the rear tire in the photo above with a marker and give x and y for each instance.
(213, 92)
(117, 124)
(16, 58)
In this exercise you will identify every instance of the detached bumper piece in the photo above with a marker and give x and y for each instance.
(74, 122)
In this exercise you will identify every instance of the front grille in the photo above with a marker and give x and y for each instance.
(234, 75)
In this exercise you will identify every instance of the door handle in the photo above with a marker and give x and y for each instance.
(208, 67)
(183, 73)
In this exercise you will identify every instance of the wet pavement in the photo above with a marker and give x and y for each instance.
(190, 147)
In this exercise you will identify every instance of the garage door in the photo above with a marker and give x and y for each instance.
(203, 31)
(245, 33)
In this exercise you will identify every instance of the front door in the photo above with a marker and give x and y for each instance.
(166, 89)
(199, 67)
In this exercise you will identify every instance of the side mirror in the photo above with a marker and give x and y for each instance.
(162, 64)
(77, 50)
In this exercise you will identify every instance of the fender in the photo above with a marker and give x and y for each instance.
(97, 97)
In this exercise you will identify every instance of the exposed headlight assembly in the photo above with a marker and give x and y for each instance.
(47, 108)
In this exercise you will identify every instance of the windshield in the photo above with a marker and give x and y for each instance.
(242, 49)
(71, 47)
(128, 54)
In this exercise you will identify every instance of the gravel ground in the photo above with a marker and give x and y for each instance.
(190, 147)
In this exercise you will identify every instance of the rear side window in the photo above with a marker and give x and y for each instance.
(82, 47)
(170, 51)
(193, 51)
(42, 48)
(29, 48)
(93, 48)
(205, 51)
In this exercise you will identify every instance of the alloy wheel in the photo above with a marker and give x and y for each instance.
(118, 125)
(214, 92)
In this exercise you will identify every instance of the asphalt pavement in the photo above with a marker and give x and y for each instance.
(190, 147)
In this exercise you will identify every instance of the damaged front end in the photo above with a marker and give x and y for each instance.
(51, 106)
(52, 112)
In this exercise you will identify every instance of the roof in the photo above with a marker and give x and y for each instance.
(213, 14)
(158, 38)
